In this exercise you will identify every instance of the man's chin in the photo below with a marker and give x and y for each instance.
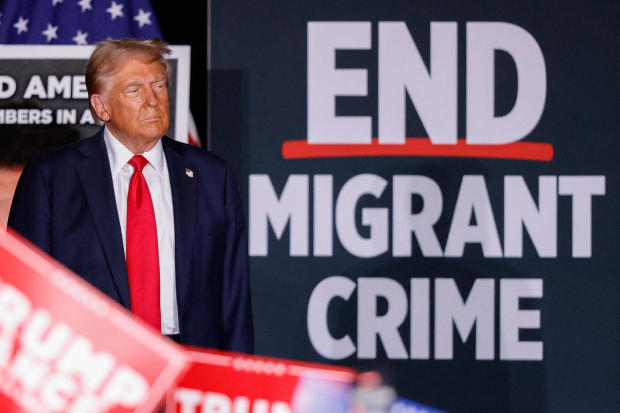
(154, 130)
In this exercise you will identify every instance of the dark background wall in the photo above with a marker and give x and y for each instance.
(259, 103)
(185, 23)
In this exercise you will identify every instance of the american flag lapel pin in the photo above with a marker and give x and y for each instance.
(189, 173)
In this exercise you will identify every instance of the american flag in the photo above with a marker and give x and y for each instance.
(79, 22)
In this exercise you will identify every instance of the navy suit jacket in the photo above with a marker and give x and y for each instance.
(64, 203)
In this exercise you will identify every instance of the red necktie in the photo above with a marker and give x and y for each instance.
(142, 254)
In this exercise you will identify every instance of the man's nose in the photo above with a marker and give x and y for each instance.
(150, 98)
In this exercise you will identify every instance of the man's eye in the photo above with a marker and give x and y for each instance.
(159, 86)
(133, 91)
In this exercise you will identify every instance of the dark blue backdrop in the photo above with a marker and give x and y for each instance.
(258, 100)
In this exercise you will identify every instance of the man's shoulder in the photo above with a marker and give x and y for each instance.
(68, 154)
(199, 157)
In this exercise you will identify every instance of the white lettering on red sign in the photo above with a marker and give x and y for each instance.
(195, 401)
(46, 366)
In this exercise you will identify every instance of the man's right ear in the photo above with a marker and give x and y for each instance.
(99, 104)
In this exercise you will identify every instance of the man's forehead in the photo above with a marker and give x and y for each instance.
(137, 71)
(140, 67)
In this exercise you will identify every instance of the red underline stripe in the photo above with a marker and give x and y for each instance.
(530, 151)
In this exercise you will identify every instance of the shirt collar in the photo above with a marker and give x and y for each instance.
(119, 155)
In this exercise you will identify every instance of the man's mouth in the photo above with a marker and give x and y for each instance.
(152, 119)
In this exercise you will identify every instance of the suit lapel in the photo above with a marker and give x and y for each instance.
(184, 187)
(96, 179)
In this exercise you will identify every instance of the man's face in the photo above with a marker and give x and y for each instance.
(137, 102)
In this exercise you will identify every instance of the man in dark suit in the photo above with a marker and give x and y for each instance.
(155, 224)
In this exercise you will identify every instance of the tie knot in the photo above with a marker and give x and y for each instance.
(138, 162)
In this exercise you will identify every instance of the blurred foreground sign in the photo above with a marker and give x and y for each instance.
(66, 347)
(225, 382)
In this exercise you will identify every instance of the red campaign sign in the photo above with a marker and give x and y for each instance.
(66, 347)
(223, 382)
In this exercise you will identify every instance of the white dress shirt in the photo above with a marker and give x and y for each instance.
(156, 176)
